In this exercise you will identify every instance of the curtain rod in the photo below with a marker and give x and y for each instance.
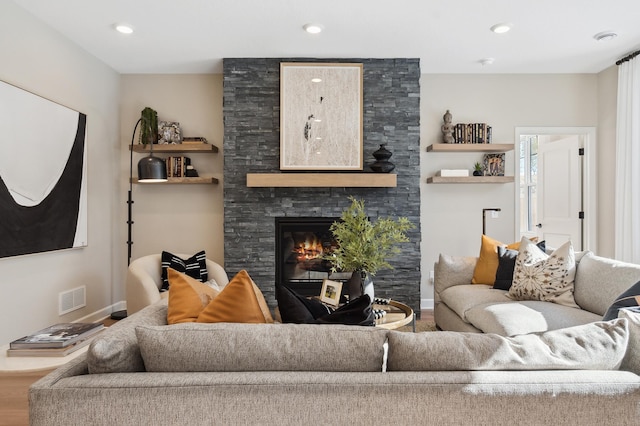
(628, 57)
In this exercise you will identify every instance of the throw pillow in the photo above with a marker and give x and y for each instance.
(195, 267)
(631, 361)
(487, 264)
(506, 266)
(187, 297)
(538, 276)
(240, 301)
(297, 309)
(356, 312)
(628, 299)
(592, 346)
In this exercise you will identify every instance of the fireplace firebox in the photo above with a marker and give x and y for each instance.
(301, 243)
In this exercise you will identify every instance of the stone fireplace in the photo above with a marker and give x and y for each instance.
(251, 145)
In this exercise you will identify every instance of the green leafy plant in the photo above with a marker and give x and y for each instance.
(363, 245)
(477, 167)
(148, 126)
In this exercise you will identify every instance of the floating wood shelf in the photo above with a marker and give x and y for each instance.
(471, 179)
(321, 180)
(470, 147)
(188, 180)
(174, 148)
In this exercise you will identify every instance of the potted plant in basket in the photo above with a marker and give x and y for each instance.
(365, 246)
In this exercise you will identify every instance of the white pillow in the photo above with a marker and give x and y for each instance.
(538, 276)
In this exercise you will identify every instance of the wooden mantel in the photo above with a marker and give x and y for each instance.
(321, 180)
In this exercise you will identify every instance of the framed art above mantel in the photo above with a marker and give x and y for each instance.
(321, 116)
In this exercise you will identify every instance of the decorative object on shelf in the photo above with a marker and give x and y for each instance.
(494, 164)
(321, 116)
(150, 169)
(477, 169)
(194, 140)
(382, 164)
(364, 247)
(149, 128)
(191, 172)
(447, 128)
(169, 132)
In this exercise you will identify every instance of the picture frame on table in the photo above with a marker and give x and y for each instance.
(321, 116)
(330, 293)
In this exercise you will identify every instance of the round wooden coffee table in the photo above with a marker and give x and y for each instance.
(398, 315)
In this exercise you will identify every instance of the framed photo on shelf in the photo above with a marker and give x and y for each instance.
(169, 132)
(330, 293)
(321, 116)
(493, 164)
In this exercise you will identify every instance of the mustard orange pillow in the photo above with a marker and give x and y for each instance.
(187, 297)
(240, 301)
(487, 264)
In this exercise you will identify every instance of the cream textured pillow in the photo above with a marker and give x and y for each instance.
(538, 276)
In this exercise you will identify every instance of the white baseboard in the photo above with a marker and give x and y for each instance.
(104, 312)
(426, 304)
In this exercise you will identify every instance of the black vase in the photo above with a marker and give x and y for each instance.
(382, 164)
(360, 283)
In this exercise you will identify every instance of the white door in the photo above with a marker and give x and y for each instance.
(560, 200)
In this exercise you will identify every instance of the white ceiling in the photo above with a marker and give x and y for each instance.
(449, 36)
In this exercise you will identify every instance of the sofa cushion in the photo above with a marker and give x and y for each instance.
(599, 281)
(512, 318)
(461, 298)
(195, 266)
(116, 350)
(192, 347)
(631, 361)
(594, 346)
(538, 276)
(187, 297)
(506, 266)
(240, 301)
(628, 299)
(451, 271)
(485, 270)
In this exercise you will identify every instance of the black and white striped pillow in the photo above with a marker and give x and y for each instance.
(195, 267)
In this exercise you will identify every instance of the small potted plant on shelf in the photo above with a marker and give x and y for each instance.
(477, 169)
(364, 247)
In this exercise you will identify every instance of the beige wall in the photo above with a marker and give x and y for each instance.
(607, 98)
(40, 60)
(175, 218)
(452, 214)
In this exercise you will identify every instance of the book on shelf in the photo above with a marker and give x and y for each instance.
(51, 352)
(57, 336)
(177, 166)
(453, 173)
(194, 140)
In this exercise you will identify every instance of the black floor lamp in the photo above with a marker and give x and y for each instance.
(484, 218)
(150, 169)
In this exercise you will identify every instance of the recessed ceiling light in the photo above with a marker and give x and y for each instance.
(501, 28)
(123, 28)
(486, 61)
(313, 28)
(605, 36)
(316, 80)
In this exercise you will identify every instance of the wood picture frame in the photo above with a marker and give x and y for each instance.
(321, 116)
(330, 293)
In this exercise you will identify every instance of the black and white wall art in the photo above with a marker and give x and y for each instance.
(43, 188)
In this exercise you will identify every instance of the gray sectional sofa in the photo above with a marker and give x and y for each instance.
(142, 372)
(462, 306)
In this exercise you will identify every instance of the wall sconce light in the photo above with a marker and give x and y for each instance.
(484, 217)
